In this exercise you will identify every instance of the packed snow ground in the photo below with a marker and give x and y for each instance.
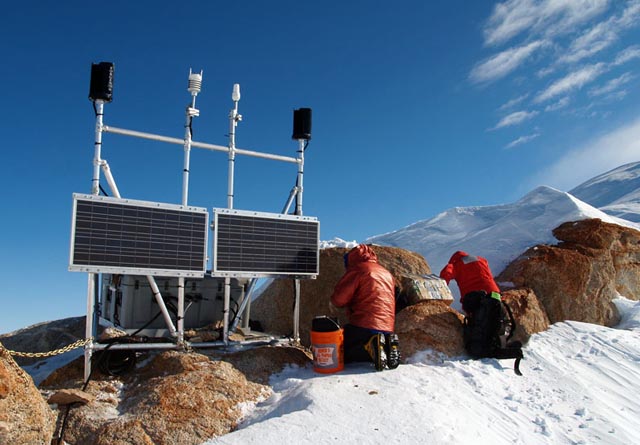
(580, 386)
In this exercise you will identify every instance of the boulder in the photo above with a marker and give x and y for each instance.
(429, 324)
(44, 337)
(273, 309)
(527, 311)
(171, 397)
(578, 278)
(616, 244)
(432, 324)
(25, 417)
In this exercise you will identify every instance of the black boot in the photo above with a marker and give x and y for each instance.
(393, 351)
(377, 351)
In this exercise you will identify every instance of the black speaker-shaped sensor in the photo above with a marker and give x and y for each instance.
(302, 124)
(101, 87)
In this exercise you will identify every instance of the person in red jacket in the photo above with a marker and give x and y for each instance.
(472, 273)
(367, 291)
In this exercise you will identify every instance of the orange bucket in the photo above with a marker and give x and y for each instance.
(327, 347)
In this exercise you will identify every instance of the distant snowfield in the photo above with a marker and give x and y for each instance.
(580, 386)
(500, 233)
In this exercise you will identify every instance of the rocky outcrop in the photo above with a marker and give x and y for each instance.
(529, 314)
(174, 397)
(430, 324)
(43, 337)
(578, 278)
(274, 308)
(427, 324)
(25, 417)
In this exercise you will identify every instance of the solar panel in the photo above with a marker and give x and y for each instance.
(140, 237)
(262, 244)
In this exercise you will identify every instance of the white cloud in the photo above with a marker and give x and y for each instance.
(544, 72)
(541, 17)
(504, 62)
(572, 81)
(513, 102)
(592, 42)
(522, 140)
(627, 54)
(616, 148)
(558, 105)
(603, 34)
(612, 85)
(616, 96)
(631, 14)
(515, 119)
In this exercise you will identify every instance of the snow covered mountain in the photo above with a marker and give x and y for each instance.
(616, 192)
(502, 232)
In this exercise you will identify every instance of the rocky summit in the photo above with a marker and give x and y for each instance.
(578, 278)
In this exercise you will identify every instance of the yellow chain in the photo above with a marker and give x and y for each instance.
(72, 346)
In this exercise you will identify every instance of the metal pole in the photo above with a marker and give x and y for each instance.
(88, 333)
(190, 113)
(292, 194)
(91, 280)
(213, 147)
(163, 307)
(234, 118)
(296, 312)
(109, 177)
(97, 147)
(301, 144)
(300, 187)
(245, 306)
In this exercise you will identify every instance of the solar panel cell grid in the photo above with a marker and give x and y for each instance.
(253, 244)
(125, 235)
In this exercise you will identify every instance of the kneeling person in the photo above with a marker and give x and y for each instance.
(367, 291)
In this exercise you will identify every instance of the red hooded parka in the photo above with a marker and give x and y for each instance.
(472, 273)
(367, 290)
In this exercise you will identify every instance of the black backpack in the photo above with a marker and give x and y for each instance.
(488, 328)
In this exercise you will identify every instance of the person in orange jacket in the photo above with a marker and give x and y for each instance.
(367, 291)
(472, 273)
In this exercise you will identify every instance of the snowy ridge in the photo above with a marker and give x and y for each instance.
(616, 192)
(499, 233)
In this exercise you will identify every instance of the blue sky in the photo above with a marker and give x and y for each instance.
(417, 107)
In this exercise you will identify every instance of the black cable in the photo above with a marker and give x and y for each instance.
(103, 190)
(101, 358)
(99, 363)
(65, 419)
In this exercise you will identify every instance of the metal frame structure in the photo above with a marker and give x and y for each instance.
(99, 164)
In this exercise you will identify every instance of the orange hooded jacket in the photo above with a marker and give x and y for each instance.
(472, 273)
(367, 290)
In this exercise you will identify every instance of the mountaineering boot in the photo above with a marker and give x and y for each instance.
(375, 348)
(393, 351)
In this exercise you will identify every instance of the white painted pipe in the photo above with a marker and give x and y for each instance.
(170, 140)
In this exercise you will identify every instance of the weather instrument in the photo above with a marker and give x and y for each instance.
(144, 258)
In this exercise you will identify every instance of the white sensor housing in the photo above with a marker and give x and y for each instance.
(235, 96)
